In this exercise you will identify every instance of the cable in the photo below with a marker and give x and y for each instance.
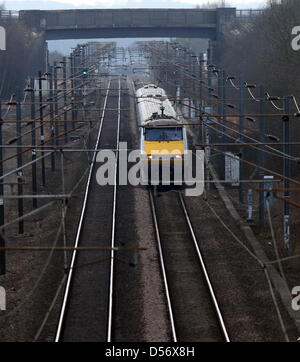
(274, 105)
(260, 262)
(45, 266)
(264, 268)
(274, 240)
(283, 328)
(41, 274)
(234, 86)
(8, 109)
(52, 305)
(296, 159)
(237, 88)
(284, 155)
(259, 167)
(296, 104)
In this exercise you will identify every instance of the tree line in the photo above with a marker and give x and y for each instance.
(22, 57)
(260, 50)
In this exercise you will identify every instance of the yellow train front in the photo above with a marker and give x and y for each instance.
(163, 140)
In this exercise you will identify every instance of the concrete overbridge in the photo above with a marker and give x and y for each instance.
(128, 23)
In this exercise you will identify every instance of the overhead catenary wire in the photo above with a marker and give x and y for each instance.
(237, 88)
(261, 168)
(274, 299)
(273, 104)
(239, 115)
(34, 211)
(277, 153)
(37, 127)
(94, 152)
(49, 114)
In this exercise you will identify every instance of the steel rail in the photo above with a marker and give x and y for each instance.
(209, 284)
(74, 254)
(162, 264)
(113, 227)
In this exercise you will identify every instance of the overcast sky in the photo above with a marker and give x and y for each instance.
(68, 4)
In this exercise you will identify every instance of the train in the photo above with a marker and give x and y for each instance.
(162, 137)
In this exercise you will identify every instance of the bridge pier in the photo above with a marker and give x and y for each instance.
(39, 56)
(225, 16)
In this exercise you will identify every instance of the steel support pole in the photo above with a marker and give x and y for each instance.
(42, 127)
(221, 157)
(19, 164)
(52, 132)
(220, 106)
(72, 59)
(200, 95)
(286, 172)
(33, 142)
(209, 53)
(241, 130)
(55, 102)
(77, 82)
(261, 156)
(201, 80)
(65, 97)
(188, 84)
(224, 112)
(2, 241)
(166, 73)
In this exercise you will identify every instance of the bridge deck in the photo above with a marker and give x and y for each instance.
(63, 24)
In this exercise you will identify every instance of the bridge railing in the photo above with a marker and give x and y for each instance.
(9, 14)
(244, 13)
(248, 13)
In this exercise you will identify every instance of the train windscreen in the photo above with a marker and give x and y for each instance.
(163, 134)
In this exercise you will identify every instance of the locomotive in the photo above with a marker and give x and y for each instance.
(163, 137)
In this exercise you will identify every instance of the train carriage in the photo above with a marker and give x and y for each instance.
(163, 139)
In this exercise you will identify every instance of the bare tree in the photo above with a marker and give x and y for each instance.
(22, 57)
(214, 4)
(260, 50)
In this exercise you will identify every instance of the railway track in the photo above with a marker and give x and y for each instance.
(87, 308)
(89, 302)
(194, 312)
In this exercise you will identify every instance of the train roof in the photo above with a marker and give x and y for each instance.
(154, 108)
(150, 90)
(162, 122)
